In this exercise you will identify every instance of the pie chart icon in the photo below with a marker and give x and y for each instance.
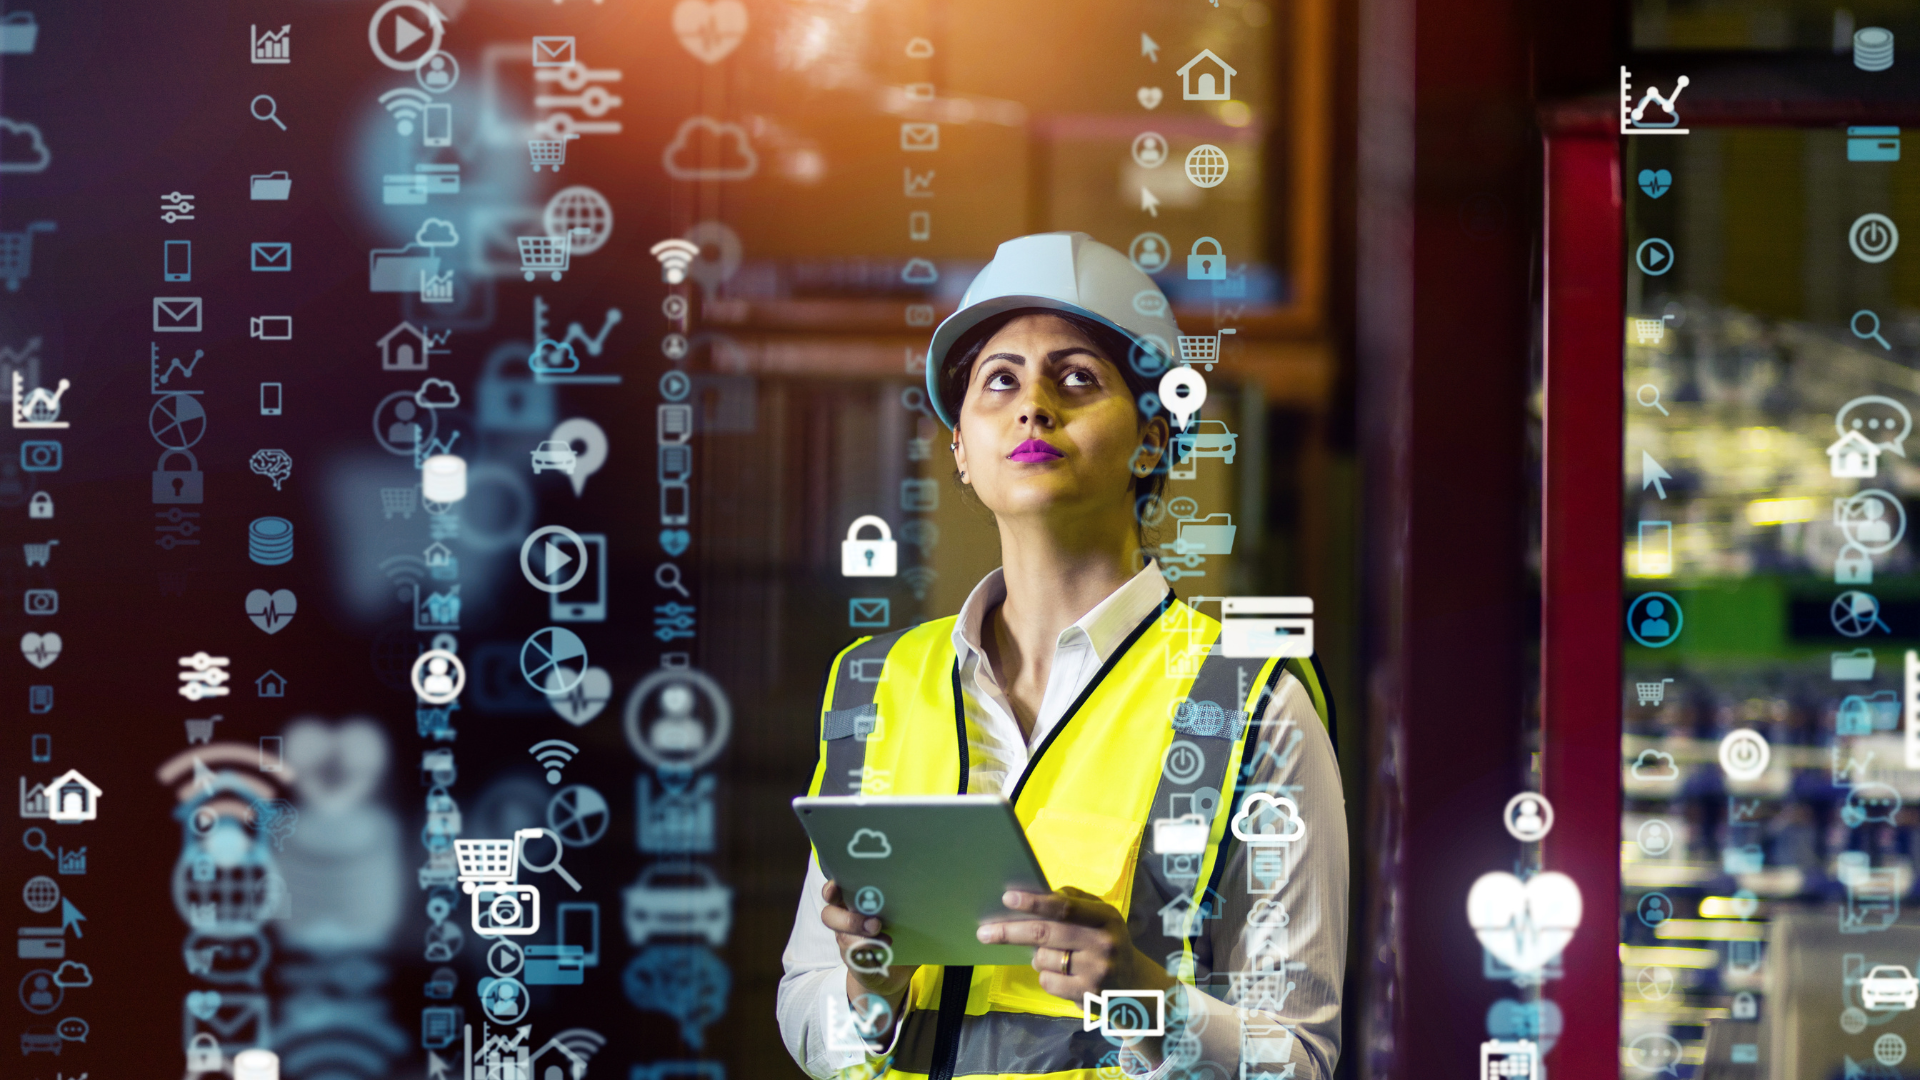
(553, 660)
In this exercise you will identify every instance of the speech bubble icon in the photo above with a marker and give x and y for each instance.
(1875, 417)
(1655, 1053)
(1183, 391)
(589, 444)
(870, 955)
(73, 1029)
(1870, 802)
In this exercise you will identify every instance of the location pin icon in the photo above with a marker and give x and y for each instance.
(1182, 391)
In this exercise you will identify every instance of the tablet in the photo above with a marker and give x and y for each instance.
(930, 868)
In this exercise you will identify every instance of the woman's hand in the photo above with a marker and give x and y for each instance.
(1081, 944)
(851, 929)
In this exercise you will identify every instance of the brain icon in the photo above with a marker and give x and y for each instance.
(276, 465)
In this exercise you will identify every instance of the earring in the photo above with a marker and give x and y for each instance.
(953, 446)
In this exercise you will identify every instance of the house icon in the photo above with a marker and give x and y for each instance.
(558, 1054)
(1201, 88)
(72, 798)
(405, 348)
(1181, 917)
(1854, 456)
(272, 684)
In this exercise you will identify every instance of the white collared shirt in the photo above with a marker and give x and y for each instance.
(1314, 891)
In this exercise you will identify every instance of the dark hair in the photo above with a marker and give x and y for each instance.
(1139, 365)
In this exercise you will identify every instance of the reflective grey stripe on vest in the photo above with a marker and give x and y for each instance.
(851, 715)
(1210, 729)
(1002, 1042)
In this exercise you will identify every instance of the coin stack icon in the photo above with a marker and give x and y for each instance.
(1873, 48)
(270, 541)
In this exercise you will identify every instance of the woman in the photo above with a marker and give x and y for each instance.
(1089, 696)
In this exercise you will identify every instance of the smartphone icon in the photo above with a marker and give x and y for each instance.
(179, 260)
(580, 925)
(587, 601)
(674, 497)
(1656, 548)
(270, 753)
(439, 125)
(269, 399)
(43, 748)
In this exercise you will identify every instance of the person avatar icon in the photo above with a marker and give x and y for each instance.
(677, 730)
(1528, 818)
(39, 997)
(1655, 624)
(1875, 529)
(439, 680)
(403, 430)
(1655, 909)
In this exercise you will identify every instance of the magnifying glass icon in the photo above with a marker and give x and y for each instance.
(36, 840)
(1873, 328)
(916, 399)
(667, 576)
(520, 838)
(1641, 395)
(272, 113)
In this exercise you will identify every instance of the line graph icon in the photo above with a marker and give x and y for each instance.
(1634, 119)
(553, 756)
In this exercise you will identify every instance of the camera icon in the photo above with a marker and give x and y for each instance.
(504, 909)
(40, 455)
(42, 601)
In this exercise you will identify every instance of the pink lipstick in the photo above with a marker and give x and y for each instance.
(1034, 450)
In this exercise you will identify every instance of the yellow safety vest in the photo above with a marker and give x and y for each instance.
(893, 723)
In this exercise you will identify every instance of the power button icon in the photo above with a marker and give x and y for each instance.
(1873, 238)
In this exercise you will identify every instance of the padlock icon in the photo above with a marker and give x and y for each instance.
(1206, 267)
(178, 485)
(40, 506)
(203, 1054)
(1853, 566)
(518, 405)
(868, 558)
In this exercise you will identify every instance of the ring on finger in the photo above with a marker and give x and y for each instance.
(1066, 962)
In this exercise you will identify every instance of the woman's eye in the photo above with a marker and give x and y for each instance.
(1000, 380)
(1078, 378)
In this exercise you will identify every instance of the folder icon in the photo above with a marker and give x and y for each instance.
(176, 314)
(271, 187)
(1854, 666)
(919, 136)
(869, 611)
(273, 256)
(399, 269)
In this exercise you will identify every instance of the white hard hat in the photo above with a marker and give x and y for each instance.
(1064, 271)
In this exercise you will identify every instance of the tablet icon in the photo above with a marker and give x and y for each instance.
(869, 844)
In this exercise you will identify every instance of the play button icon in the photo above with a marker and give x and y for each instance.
(405, 34)
(1655, 257)
(553, 541)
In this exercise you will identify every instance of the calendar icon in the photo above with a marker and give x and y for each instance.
(1509, 1059)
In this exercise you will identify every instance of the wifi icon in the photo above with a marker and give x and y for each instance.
(553, 755)
(405, 104)
(675, 256)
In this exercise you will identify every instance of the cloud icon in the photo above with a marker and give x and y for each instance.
(869, 844)
(436, 394)
(553, 358)
(436, 233)
(919, 272)
(73, 973)
(22, 149)
(1278, 820)
(1654, 765)
(706, 149)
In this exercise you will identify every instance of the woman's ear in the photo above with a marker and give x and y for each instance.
(1153, 446)
(959, 449)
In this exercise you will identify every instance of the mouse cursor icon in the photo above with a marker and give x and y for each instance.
(1652, 473)
(70, 918)
(1148, 203)
(436, 1068)
(1149, 48)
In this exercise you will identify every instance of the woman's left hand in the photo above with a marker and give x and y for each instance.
(1081, 944)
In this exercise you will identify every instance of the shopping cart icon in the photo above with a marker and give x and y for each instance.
(399, 501)
(1201, 348)
(1652, 693)
(201, 731)
(549, 151)
(549, 253)
(38, 554)
(1650, 331)
(16, 253)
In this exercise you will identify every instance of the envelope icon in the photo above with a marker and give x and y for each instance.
(869, 611)
(176, 314)
(275, 255)
(919, 136)
(552, 51)
(237, 1021)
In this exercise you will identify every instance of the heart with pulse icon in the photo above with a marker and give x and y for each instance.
(204, 1004)
(1524, 924)
(710, 30)
(675, 541)
(1655, 182)
(271, 611)
(1149, 96)
(40, 649)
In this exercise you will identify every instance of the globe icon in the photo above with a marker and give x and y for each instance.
(1206, 165)
(1889, 1049)
(580, 207)
(41, 894)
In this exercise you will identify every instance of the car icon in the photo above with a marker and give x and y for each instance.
(1207, 438)
(1889, 986)
(682, 901)
(554, 454)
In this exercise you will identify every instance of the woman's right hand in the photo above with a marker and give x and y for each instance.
(851, 928)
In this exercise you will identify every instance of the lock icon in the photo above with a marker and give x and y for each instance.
(203, 1054)
(868, 558)
(178, 485)
(40, 506)
(1206, 267)
(518, 405)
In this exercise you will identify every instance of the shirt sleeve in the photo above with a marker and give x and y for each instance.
(1280, 946)
(813, 991)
